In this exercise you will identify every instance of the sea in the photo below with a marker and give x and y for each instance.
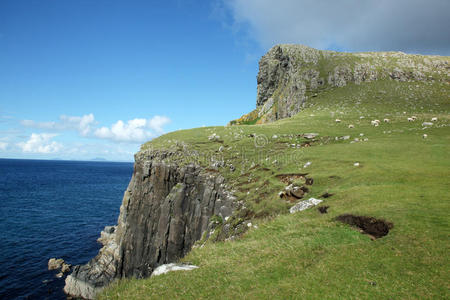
(53, 209)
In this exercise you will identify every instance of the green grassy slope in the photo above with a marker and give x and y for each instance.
(402, 177)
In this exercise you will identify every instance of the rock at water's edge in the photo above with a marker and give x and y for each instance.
(80, 288)
(165, 210)
(55, 264)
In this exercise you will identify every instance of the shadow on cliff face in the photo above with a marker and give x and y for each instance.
(376, 228)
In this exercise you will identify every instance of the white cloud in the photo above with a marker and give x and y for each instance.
(405, 25)
(81, 124)
(40, 143)
(3, 146)
(134, 131)
(157, 123)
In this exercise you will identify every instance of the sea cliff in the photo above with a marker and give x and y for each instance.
(166, 208)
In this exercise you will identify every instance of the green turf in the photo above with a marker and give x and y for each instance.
(402, 178)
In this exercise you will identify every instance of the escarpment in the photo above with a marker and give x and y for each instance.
(291, 76)
(166, 208)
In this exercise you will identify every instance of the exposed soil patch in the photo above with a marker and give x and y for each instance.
(293, 193)
(326, 195)
(304, 189)
(305, 145)
(376, 228)
(289, 178)
(289, 198)
(323, 209)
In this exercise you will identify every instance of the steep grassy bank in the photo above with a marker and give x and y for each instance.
(402, 177)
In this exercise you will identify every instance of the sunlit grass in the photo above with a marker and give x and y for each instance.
(402, 178)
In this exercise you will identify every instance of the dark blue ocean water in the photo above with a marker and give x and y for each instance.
(53, 209)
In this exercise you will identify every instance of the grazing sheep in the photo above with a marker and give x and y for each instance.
(410, 120)
(414, 118)
(386, 120)
(425, 135)
(434, 119)
(351, 126)
(338, 121)
(375, 122)
(378, 121)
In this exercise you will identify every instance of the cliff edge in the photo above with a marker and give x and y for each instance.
(166, 208)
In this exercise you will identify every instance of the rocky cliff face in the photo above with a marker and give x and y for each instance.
(165, 210)
(291, 75)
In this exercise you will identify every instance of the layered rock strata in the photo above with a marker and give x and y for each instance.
(166, 208)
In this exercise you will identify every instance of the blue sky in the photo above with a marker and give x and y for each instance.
(116, 60)
(84, 79)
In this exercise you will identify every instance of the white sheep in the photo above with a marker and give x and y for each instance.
(410, 120)
(425, 135)
(414, 118)
(386, 120)
(378, 121)
(434, 119)
(374, 122)
(351, 126)
(338, 121)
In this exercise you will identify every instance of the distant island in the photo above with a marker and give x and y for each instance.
(99, 159)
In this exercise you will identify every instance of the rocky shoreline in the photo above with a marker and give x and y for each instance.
(166, 208)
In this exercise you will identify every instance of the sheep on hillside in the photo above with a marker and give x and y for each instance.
(434, 119)
(386, 120)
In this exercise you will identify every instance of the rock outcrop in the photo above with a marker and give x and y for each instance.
(166, 208)
(55, 264)
(290, 76)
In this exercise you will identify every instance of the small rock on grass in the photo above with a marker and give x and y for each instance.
(163, 269)
(302, 205)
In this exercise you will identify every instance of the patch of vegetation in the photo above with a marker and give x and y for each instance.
(401, 177)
